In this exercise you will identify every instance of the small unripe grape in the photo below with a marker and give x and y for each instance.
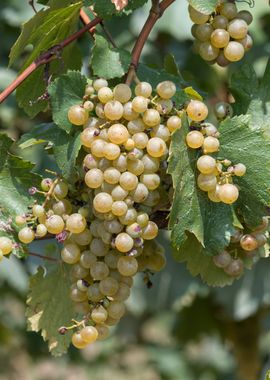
(129, 144)
(228, 10)
(156, 147)
(220, 22)
(88, 105)
(70, 254)
(46, 184)
(99, 83)
(108, 286)
(118, 134)
(78, 341)
(128, 181)
(223, 110)
(87, 259)
(174, 123)
(127, 266)
(103, 332)
(194, 139)
(238, 29)
(220, 38)
(239, 170)
(41, 230)
(38, 210)
(89, 90)
(211, 144)
(113, 110)
(234, 51)
(119, 208)
(55, 224)
(129, 113)
(6, 245)
(99, 271)
(151, 181)
(111, 151)
(94, 294)
(166, 89)
(122, 93)
(196, 16)
(222, 60)
(123, 242)
(103, 202)
(98, 147)
(246, 16)
(228, 193)
(194, 29)
(151, 117)
(89, 334)
(164, 106)
(142, 219)
(249, 243)
(77, 115)
(222, 260)
(62, 207)
(207, 182)
(105, 94)
(197, 110)
(61, 190)
(235, 268)
(99, 314)
(113, 226)
(79, 272)
(140, 104)
(247, 42)
(206, 164)
(94, 178)
(203, 32)
(143, 89)
(208, 52)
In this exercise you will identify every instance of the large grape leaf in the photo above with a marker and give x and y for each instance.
(241, 143)
(49, 306)
(66, 91)
(204, 6)
(108, 62)
(192, 211)
(65, 146)
(45, 30)
(252, 96)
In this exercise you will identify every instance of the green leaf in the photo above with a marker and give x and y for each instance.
(171, 66)
(241, 143)
(108, 62)
(40, 134)
(252, 96)
(204, 6)
(267, 377)
(192, 211)
(200, 264)
(66, 91)
(50, 307)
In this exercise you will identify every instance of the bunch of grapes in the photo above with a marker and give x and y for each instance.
(216, 176)
(221, 37)
(244, 246)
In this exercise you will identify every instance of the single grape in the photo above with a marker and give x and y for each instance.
(112, 175)
(222, 260)
(99, 314)
(89, 334)
(111, 151)
(213, 195)
(38, 211)
(105, 94)
(247, 42)
(55, 224)
(93, 293)
(197, 110)
(228, 10)
(143, 89)
(211, 144)
(119, 208)
(98, 147)
(108, 286)
(150, 231)
(196, 16)
(87, 259)
(88, 135)
(151, 117)
(78, 341)
(122, 93)
(88, 105)
(220, 22)
(174, 123)
(166, 89)
(208, 52)
(151, 181)
(220, 38)
(75, 223)
(129, 113)
(6, 245)
(99, 271)
(103, 202)
(194, 139)
(140, 104)
(203, 32)
(128, 181)
(103, 332)
(228, 193)
(61, 189)
(41, 230)
(223, 110)
(156, 262)
(70, 254)
(207, 182)
(136, 167)
(99, 83)
(77, 115)
(123, 242)
(156, 147)
(249, 243)
(246, 16)
(235, 268)
(237, 29)
(118, 134)
(239, 170)
(113, 110)
(122, 293)
(140, 194)
(127, 266)
(206, 164)
(234, 51)
(94, 178)
(222, 60)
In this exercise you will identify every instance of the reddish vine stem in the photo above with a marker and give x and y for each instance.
(42, 256)
(47, 57)
(156, 12)
(86, 20)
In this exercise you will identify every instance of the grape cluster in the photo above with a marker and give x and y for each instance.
(215, 176)
(221, 37)
(245, 244)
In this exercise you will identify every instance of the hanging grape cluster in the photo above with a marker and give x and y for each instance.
(221, 37)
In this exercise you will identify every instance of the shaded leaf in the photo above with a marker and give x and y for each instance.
(204, 6)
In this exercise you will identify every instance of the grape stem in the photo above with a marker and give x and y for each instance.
(46, 57)
(155, 13)
(42, 256)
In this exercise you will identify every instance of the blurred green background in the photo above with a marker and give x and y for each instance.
(179, 329)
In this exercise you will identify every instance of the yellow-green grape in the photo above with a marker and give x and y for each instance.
(119, 208)
(223, 110)
(156, 147)
(99, 314)
(103, 332)
(228, 193)
(99, 83)
(143, 89)
(98, 148)
(116, 309)
(247, 42)
(123, 242)
(211, 144)
(122, 293)
(207, 51)
(118, 193)
(207, 182)
(93, 293)
(87, 259)
(46, 184)
(142, 219)
(129, 114)
(76, 223)
(88, 105)
(98, 247)
(83, 238)
(174, 123)
(140, 104)
(140, 194)
(112, 175)
(108, 286)
(220, 22)
(70, 254)
(118, 134)
(77, 295)
(213, 195)
(26, 235)
(197, 110)
(38, 211)
(111, 151)
(99, 271)
(194, 139)
(100, 110)
(55, 224)
(237, 29)
(128, 181)
(228, 10)
(94, 178)
(113, 110)
(103, 202)
(164, 106)
(151, 181)
(156, 262)
(89, 90)
(151, 117)
(196, 16)
(88, 135)
(249, 243)
(62, 207)
(78, 341)
(162, 132)
(206, 164)
(261, 239)
(127, 266)
(41, 230)
(246, 16)
(129, 144)
(136, 167)
(89, 334)
(20, 220)
(77, 115)
(203, 32)
(122, 93)
(220, 38)
(6, 245)
(234, 51)
(105, 94)
(239, 170)
(166, 89)
(60, 190)
(150, 231)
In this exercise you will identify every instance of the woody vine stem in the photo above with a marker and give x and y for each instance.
(51, 54)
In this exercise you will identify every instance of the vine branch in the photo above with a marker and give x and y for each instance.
(42, 256)
(47, 57)
(156, 12)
